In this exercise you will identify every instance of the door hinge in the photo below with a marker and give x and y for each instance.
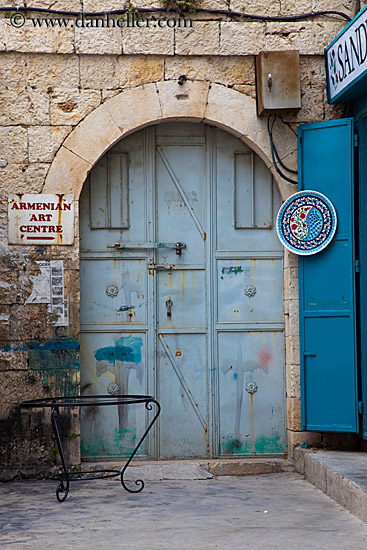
(360, 407)
(357, 265)
(356, 140)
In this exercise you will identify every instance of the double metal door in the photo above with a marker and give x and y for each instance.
(181, 296)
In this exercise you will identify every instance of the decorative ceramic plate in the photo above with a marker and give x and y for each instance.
(306, 222)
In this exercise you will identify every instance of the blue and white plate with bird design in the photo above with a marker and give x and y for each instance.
(306, 222)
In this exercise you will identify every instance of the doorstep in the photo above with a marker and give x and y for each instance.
(197, 469)
(342, 475)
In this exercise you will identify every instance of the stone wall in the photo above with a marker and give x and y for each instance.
(51, 79)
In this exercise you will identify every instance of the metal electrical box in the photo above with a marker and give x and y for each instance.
(278, 88)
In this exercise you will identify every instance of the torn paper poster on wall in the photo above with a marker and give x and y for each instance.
(48, 288)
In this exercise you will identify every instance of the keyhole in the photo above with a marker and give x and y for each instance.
(169, 304)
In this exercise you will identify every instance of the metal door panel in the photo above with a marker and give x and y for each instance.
(114, 291)
(133, 189)
(327, 285)
(252, 396)
(181, 202)
(183, 395)
(112, 363)
(230, 237)
(185, 288)
(250, 291)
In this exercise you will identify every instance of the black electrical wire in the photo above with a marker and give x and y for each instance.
(230, 13)
(275, 156)
(270, 130)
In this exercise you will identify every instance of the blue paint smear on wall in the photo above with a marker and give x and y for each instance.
(126, 348)
(56, 361)
(55, 345)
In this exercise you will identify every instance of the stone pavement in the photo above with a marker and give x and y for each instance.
(261, 512)
(342, 475)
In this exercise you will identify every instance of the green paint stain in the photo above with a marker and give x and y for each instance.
(127, 348)
(232, 270)
(263, 445)
(57, 362)
(122, 444)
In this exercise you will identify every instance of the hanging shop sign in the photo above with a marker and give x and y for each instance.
(41, 219)
(306, 222)
(346, 61)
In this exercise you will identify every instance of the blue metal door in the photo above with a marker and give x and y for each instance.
(181, 295)
(327, 285)
(362, 124)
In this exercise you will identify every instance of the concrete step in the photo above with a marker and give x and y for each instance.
(196, 469)
(341, 475)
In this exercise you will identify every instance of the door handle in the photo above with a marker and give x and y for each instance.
(161, 267)
(148, 246)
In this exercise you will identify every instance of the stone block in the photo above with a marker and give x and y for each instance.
(252, 7)
(109, 72)
(285, 140)
(292, 350)
(148, 41)
(69, 254)
(46, 71)
(292, 7)
(30, 39)
(290, 259)
(227, 71)
(346, 492)
(291, 308)
(244, 467)
(246, 89)
(135, 108)
(93, 136)
(301, 438)
(13, 70)
(291, 283)
(325, 32)
(11, 358)
(101, 6)
(214, 4)
(201, 39)
(293, 381)
(234, 119)
(299, 459)
(70, 106)
(294, 414)
(315, 471)
(13, 144)
(186, 101)
(24, 105)
(298, 35)
(66, 169)
(5, 333)
(44, 142)
(98, 72)
(241, 37)
(17, 386)
(62, 5)
(98, 41)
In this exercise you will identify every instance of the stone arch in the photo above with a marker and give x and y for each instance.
(136, 108)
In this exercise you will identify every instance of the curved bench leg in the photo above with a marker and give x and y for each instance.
(62, 490)
(140, 482)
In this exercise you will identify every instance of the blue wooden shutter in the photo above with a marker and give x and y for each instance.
(327, 285)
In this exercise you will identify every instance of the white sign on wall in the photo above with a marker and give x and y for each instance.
(346, 59)
(40, 219)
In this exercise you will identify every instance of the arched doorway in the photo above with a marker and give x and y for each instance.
(182, 295)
